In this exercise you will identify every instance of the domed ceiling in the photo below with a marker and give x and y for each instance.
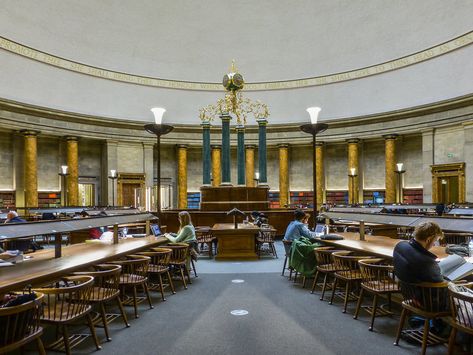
(354, 51)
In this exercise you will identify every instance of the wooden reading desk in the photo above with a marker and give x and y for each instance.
(44, 267)
(234, 243)
(374, 245)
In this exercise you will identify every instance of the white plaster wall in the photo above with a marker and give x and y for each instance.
(130, 158)
(448, 144)
(6, 162)
(411, 154)
(300, 168)
(49, 161)
(272, 40)
(194, 169)
(336, 167)
(373, 164)
(90, 158)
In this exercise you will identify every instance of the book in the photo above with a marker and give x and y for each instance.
(454, 267)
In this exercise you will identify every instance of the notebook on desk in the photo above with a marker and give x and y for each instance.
(454, 267)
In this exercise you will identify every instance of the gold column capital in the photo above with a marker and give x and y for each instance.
(283, 145)
(71, 138)
(390, 136)
(250, 146)
(353, 140)
(319, 143)
(262, 121)
(216, 146)
(29, 132)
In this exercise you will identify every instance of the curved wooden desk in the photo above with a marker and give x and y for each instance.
(44, 267)
(374, 245)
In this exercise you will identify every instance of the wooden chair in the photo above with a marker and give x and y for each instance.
(106, 288)
(461, 306)
(266, 236)
(428, 300)
(347, 270)
(456, 238)
(377, 279)
(159, 266)
(64, 303)
(205, 237)
(178, 261)
(325, 266)
(287, 253)
(134, 274)
(19, 325)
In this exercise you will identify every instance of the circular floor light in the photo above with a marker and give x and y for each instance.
(239, 312)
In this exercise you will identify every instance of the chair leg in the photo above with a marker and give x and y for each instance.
(334, 286)
(359, 303)
(104, 321)
(347, 290)
(324, 287)
(451, 341)
(40, 345)
(171, 284)
(193, 268)
(290, 273)
(425, 336)
(314, 284)
(401, 325)
(183, 278)
(135, 305)
(122, 311)
(284, 266)
(92, 331)
(373, 313)
(65, 337)
(186, 269)
(161, 288)
(146, 290)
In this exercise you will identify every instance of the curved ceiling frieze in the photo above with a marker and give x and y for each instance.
(395, 64)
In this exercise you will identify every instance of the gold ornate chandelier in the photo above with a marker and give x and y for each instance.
(234, 103)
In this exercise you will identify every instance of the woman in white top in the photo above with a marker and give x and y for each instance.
(186, 233)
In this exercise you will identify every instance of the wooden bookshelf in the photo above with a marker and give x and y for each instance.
(49, 199)
(301, 199)
(193, 200)
(339, 197)
(374, 196)
(273, 197)
(413, 196)
(7, 199)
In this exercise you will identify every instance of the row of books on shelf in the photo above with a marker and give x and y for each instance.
(193, 200)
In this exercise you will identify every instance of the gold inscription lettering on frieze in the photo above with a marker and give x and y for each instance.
(395, 64)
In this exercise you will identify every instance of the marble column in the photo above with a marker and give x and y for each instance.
(283, 175)
(31, 168)
(182, 176)
(353, 162)
(206, 152)
(263, 177)
(250, 165)
(72, 153)
(241, 155)
(320, 173)
(390, 166)
(216, 165)
(226, 155)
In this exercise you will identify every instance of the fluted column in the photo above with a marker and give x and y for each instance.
(320, 175)
(250, 165)
(283, 175)
(263, 177)
(353, 192)
(182, 176)
(206, 153)
(226, 157)
(72, 152)
(31, 168)
(216, 165)
(390, 166)
(241, 155)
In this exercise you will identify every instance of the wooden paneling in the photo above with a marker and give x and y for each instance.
(224, 198)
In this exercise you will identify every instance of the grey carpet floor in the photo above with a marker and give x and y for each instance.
(282, 318)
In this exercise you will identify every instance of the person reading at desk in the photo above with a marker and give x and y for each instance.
(297, 228)
(186, 233)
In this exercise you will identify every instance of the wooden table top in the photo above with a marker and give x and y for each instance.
(229, 226)
(374, 244)
(43, 267)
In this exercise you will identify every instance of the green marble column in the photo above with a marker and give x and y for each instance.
(206, 152)
(263, 177)
(241, 154)
(226, 157)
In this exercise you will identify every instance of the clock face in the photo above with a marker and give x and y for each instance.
(238, 80)
(226, 81)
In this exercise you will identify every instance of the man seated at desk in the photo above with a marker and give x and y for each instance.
(413, 262)
(297, 228)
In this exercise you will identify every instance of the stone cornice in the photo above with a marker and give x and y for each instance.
(18, 116)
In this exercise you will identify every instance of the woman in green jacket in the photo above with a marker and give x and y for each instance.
(186, 233)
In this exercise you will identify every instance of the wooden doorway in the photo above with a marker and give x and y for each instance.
(126, 185)
(448, 183)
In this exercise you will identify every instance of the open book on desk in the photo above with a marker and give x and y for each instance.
(454, 267)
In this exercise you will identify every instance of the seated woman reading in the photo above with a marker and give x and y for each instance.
(186, 233)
